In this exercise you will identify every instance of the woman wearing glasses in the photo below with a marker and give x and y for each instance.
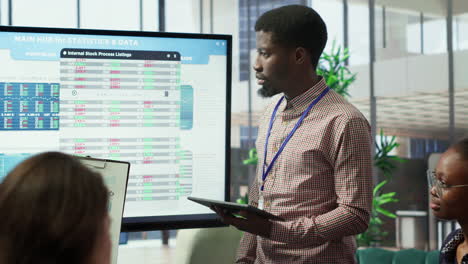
(449, 200)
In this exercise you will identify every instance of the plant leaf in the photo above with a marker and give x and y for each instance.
(386, 213)
(378, 186)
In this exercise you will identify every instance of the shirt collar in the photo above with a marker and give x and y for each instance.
(302, 101)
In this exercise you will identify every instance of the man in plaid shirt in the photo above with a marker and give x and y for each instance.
(314, 152)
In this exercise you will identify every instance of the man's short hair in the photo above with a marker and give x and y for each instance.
(462, 148)
(295, 26)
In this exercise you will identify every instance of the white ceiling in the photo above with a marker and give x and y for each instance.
(434, 7)
(425, 114)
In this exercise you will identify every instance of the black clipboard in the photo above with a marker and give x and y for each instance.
(235, 207)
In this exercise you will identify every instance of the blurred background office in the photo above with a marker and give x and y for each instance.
(409, 58)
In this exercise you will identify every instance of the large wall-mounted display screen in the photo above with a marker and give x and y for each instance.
(160, 101)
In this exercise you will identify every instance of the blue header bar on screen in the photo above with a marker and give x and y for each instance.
(47, 46)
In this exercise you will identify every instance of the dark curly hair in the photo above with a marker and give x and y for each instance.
(296, 26)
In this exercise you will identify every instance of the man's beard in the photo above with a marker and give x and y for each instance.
(268, 90)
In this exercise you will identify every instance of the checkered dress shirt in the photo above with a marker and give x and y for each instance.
(321, 183)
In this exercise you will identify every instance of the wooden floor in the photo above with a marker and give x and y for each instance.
(147, 252)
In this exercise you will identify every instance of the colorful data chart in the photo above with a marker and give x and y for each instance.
(29, 106)
(155, 152)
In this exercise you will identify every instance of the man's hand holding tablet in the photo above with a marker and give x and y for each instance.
(252, 219)
(250, 222)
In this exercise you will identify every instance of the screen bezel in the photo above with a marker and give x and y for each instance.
(130, 224)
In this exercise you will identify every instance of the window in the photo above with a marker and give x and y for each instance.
(119, 14)
(45, 13)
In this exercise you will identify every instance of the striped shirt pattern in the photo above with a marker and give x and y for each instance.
(321, 183)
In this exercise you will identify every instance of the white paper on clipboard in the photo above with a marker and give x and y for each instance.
(115, 175)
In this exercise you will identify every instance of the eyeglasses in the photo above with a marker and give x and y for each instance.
(439, 186)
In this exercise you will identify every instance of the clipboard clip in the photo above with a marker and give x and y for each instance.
(95, 163)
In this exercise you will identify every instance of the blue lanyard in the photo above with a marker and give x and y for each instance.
(272, 119)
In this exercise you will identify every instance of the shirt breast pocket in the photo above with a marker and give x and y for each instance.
(307, 171)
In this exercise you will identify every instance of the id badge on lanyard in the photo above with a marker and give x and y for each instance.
(260, 201)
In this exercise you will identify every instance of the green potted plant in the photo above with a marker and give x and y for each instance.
(384, 161)
(332, 66)
(251, 160)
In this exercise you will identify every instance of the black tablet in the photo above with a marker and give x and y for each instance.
(235, 207)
